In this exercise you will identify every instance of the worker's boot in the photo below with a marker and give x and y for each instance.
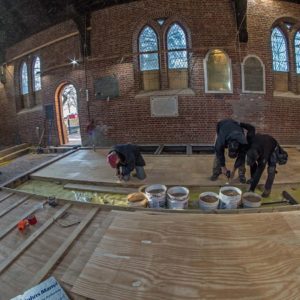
(266, 193)
(214, 177)
(242, 179)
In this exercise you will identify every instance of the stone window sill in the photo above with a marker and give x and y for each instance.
(179, 92)
(286, 95)
(30, 110)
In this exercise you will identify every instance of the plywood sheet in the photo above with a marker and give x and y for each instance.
(195, 257)
(74, 270)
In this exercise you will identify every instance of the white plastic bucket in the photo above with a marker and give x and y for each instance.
(178, 197)
(251, 200)
(205, 205)
(156, 195)
(228, 201)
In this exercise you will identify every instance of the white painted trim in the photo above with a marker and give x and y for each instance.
(206, 77)
(286, 95)
(243, 76)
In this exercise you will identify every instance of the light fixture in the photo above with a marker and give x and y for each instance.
(74, 61)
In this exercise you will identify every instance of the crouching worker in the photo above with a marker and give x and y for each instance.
(125, 158)
(264, 150)
(230, 134)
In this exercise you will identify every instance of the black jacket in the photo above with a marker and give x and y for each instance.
(229, 130)
(130, 157)
(265, 145)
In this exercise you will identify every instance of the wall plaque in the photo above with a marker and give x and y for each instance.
(106, 87)
(164, 106)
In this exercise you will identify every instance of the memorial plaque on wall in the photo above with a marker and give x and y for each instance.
(106, 87)
(164, 106)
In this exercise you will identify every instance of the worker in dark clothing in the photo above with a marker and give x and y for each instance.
(264, 150)
(230, 134)
(126, 158)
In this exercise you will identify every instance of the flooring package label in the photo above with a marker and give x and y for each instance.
(48, 289)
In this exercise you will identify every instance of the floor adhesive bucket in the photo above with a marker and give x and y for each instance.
(178, 197)
(156, 195)
(251, 200)
(230, 197)
(208, 201)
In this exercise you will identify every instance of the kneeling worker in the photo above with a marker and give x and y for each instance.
(264, 150)
(230, 134)
(125, 158)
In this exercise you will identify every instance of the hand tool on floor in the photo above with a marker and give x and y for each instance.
(287, 199)
(30, 220)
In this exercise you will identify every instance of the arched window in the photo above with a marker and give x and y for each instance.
(279, 51)
(297, 51)
(218, 75)
(177, 57)
(148, 48)
(177, 48)
(253, 75)
(36, 76)
(24, 79)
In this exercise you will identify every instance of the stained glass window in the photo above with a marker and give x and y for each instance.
(176, 44)
(297, 51)
(279, 51)
(24, 79)
(148, 48)
(37, 74)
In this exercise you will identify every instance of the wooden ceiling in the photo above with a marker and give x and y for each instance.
(21, 18)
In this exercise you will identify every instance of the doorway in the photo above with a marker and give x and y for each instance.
(67, 112)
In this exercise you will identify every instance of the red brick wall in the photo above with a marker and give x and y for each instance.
(114, 32)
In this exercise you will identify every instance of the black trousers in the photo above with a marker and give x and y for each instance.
(257, 170)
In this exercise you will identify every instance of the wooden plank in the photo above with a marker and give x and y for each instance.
(100, 189)
(194, 257)
(6, 196)
(159, 149)
(63, 248)
(14, 155)
(34, 169)
(10, 150)
(11, 207)
(13, 225)
(189, 150)
(71, 274)
(14, 255)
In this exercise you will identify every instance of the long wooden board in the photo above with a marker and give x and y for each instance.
(13, 225)
(14, 205)
(74, 270)
(99, 189)
(6, 197)
(14, 255)
(195, 257)
(63, 248)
